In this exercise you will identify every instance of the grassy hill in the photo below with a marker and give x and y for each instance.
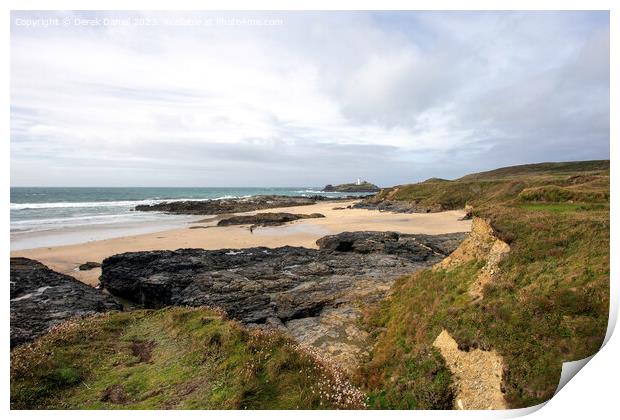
(179, 358)
(546, 168)
(548, 302)
(545, 182)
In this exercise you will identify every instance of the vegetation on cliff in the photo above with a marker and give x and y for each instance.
(180, 358)
(547, 303)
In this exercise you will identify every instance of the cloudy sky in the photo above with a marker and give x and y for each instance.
(302, 99)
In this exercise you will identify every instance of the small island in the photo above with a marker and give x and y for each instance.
(359, 186)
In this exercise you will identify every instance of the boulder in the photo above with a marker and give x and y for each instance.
(266, 219)
(42, 298)
(89, 265)
(469, 213)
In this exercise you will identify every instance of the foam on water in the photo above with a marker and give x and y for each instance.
(65, 211)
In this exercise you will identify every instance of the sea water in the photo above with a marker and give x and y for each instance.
(42, 216)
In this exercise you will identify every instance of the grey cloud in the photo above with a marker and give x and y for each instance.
(391, 97)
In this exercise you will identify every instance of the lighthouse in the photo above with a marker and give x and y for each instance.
(359, 182)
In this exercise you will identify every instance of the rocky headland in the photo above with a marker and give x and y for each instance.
(42, 298)
(364, 186)
(235, 205)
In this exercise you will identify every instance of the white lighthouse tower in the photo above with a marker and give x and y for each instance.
(359, 182)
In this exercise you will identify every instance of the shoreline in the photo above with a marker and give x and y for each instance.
(38, 230)
(76, 235)
(66, 258)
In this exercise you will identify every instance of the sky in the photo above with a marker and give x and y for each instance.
(301, 98)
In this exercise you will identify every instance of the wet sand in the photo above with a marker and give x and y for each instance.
(305, 232)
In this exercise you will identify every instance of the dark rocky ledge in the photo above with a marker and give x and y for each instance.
(258, 285)
(235, 205)
(266, 219)
(42, 298)
(396, 206)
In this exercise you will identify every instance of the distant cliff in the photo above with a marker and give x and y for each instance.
(353, 187)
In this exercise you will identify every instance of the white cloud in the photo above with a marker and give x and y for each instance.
(393, 97)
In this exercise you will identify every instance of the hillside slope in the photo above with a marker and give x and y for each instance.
(555, 182)
(546, 168)
(546, 301)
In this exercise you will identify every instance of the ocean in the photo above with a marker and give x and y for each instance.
(43, 216)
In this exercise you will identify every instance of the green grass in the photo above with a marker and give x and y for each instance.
(171, 358)
(406, 372)
(564, 207)
(548, 304)
(557, 194)
(450, 195)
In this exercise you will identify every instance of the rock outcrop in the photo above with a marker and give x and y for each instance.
(483, 245)
(234, 205)
(306, 291)
(418, 247)
(396, 206)
(89, 265)
(477, 375)
(266, 219)
(42, 298)
(353, 187)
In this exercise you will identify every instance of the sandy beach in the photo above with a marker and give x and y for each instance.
(207, 235)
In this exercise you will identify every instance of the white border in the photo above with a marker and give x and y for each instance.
(593, 393)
